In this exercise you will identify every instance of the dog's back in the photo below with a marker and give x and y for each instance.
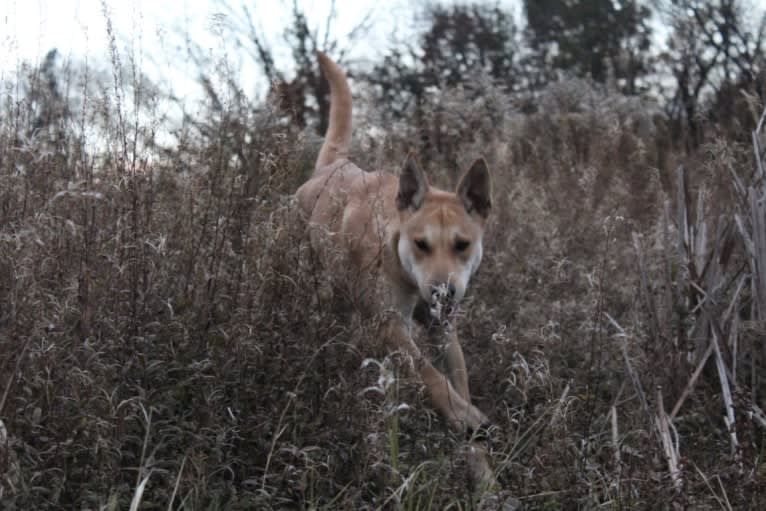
(339, 196)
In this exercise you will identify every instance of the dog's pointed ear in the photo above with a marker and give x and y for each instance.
(413, 185)
(475, 189)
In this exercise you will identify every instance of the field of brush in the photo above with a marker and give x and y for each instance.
(169, 339)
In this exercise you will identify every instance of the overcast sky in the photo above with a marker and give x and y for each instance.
(155, 31)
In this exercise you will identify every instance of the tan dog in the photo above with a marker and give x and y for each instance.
(425, 242)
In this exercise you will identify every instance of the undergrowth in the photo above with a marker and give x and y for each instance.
(170, 338)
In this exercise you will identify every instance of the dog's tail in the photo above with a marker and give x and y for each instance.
(338, 137)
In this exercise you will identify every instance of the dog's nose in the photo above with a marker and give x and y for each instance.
(443, 290)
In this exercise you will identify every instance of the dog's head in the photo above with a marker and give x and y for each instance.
(440, 239)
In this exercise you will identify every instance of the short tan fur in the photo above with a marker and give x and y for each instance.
(425, 243)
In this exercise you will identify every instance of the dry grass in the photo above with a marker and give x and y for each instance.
(170, 340)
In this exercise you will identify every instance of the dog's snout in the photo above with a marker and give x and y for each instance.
(443, 290)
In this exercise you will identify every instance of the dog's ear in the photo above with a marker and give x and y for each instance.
(475, 189)
(413, 185)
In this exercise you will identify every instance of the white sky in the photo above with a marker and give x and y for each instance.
(157, 34)
(155, 31)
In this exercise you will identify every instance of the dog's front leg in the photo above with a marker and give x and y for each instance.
(460, 413)
(458, 374)
(476, 453)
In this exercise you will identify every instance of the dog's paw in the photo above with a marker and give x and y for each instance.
(471, 419)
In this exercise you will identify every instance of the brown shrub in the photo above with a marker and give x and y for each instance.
(170, 322)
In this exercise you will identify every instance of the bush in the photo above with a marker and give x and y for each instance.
(170, 336)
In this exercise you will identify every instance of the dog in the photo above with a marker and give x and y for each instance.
(422, 243)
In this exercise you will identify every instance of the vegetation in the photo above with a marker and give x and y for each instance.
(169, 338)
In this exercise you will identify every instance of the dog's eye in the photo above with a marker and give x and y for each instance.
(423, 245)
(462, 245)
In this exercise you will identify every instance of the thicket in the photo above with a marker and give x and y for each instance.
(169, 338)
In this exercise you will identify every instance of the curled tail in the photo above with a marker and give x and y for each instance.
(338, 137)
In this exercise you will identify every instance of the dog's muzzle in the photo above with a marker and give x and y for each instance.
(443, 307)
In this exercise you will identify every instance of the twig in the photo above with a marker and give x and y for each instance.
(645, 290)
(668, 445)
(726, 392)
(559, 405)
(761, 121)
(758, 268)
(631, 372)
(139, 493)
(700, 236)
(735, 298)
(615, 436)
(682, 218)
(757, 146)
(692, 381)
(175, 486)
(757, 415)
(710, 487)
(13, 375)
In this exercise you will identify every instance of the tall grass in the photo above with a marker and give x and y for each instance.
(170, 339)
